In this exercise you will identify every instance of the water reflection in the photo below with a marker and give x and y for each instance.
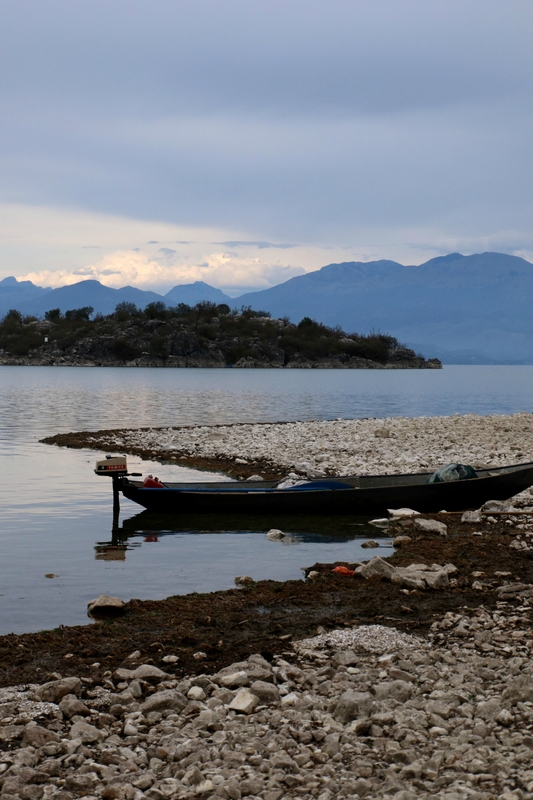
(148, 527)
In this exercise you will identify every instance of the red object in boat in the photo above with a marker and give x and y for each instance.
(152, 483)
(343, 571)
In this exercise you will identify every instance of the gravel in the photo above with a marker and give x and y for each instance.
(343, 447)
(372, 638)
(449, 715)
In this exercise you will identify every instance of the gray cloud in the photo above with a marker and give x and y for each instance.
(292, 120)
(259, 245)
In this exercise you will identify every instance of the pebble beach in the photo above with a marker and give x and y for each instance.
(336, 447)
(362, 712)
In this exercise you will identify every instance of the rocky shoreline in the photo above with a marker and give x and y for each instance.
(341, 687)
(334, 447)
(403, 677)
(59, 359)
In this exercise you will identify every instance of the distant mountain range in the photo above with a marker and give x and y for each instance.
(461, 309)
(31, 299)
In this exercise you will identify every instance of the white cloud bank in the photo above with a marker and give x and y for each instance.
(56, 247)
(145, 271)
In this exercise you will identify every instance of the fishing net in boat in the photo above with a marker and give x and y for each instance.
(452, 472)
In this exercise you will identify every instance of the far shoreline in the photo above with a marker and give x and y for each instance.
(371, 365)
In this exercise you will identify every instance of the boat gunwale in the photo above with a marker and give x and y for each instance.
(270, 487)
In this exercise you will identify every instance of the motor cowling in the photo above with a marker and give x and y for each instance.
(112, 465)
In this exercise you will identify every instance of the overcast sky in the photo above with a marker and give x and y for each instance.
(240, 143)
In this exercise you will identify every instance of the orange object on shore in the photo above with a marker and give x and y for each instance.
(343, 571)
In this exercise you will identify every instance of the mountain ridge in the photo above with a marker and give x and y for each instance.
(478, 303)
(469, 309)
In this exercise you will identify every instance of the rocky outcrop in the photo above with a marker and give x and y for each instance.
(242, 341)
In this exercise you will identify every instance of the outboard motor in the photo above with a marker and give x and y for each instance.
(112, 466)
(115, 467)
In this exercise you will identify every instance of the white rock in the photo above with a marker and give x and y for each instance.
(130, 729)
(148, 672)
(244, 701)
(315, 473)
(431, 526)
(437, 580)
(402, 513)
(234, 680)
(290, 699)
(376, 566)
(472, 516)
(275, 535)
(196, 693)
(205, 786)
(409, 580)
(243, 580)
(450, 569)
(106, 606)
(199, 655)
(399, 541)
(381, 522)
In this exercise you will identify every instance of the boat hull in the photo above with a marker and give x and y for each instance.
(368, 498)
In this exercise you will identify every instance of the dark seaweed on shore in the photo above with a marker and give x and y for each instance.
(231, 625)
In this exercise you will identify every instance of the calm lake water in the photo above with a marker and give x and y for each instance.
(56, 514)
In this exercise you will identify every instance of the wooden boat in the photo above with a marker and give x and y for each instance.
(353, 495)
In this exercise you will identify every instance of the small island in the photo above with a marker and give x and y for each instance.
(206, 335)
